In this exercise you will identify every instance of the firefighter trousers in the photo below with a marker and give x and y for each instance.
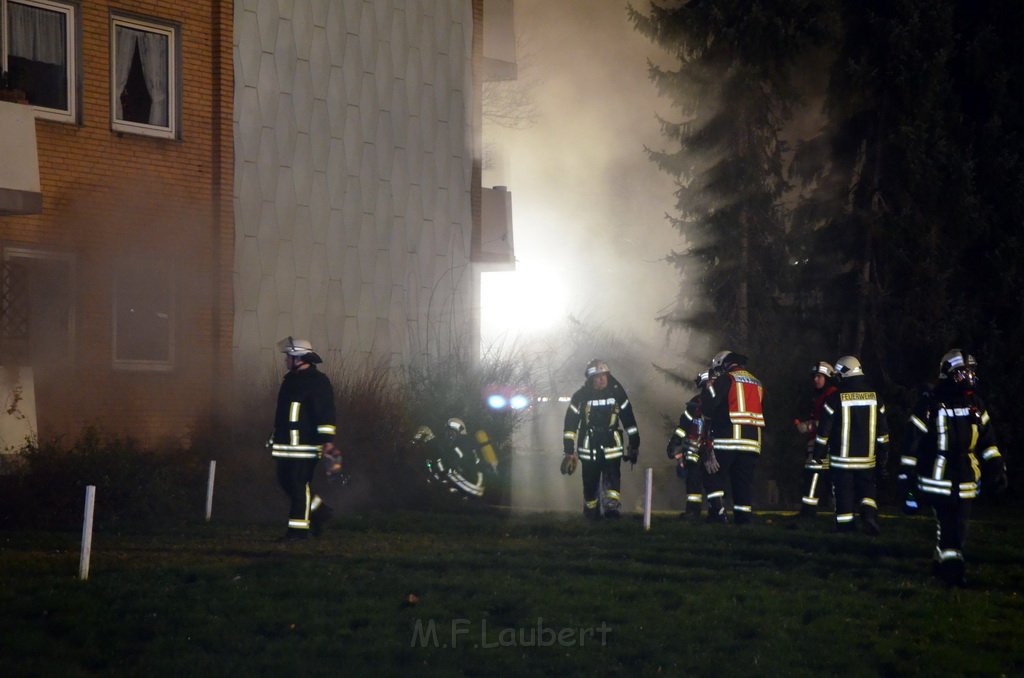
(694, 486)
(951, 516)
(817, 485)
(856, 492)
(601, 475)
(736, 474)
(295, 477)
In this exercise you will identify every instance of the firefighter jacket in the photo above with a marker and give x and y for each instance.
(457, 465)
(853, 431)
(809, 426)
(733, 404)
(950, 442)
(690, 434)
(594, 421)
(304, 419)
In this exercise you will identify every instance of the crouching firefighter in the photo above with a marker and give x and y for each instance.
(303, 433)
(951, 449)
(453, 462)
(689, 446)
(593, 434)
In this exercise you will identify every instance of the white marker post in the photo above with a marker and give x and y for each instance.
(209, 489)
(648, 490)
(90, 503)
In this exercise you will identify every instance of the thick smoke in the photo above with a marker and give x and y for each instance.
(589, 213)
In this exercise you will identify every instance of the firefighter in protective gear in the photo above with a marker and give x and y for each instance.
(593, 433)
(732, 402)
(816, 478)
(454, 462)
(951, 453)
(304, 430)
(854, 434)
(689, 446)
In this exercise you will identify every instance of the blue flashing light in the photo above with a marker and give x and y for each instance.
(519, 402)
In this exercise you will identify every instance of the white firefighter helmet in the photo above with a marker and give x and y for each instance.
(423, 435)
(299, 348)
(457, 425)
(824, 368)
(848, 366)
(960, 367)
(724, 359)
(596, 367)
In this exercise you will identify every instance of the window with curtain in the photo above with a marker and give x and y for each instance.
(39, 54)
(143, 317)
(144, 83)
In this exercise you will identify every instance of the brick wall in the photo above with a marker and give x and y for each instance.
(109, 198)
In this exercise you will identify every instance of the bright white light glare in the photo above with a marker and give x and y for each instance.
(496, 401)
(518, 402)
(564, 399)
(520, 302)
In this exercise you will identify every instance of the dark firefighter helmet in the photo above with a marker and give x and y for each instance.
(701, 379)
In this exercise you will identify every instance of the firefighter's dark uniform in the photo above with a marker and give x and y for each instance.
(854, 434)
(456, 465)
(689, 439)
(950, 443)
(303, 424)
(816, 478)
(592, 429)
(732, 404)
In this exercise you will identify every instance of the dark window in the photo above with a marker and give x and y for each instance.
(36, 43)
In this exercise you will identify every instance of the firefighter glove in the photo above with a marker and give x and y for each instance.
(333, 461)
(632, 455)
(711, 463)
(998, 481)
(568, 464)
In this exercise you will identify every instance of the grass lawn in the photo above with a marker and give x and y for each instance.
(498, 593)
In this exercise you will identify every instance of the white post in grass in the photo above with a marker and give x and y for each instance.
(90, 503)
(209, 489)
(648, 489)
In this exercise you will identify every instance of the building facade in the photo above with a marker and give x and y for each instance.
(357, 178)
(212, 176)
(116, 285)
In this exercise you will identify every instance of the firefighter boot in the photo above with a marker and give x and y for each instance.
(716, 511)
(291, 536)
(319, 517)
(952, 572)
(869, 521)
(592, 512)
(692, 513)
